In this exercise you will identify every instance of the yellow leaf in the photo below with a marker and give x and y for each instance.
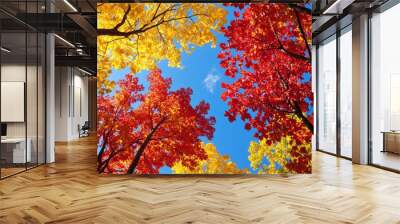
(215, 164)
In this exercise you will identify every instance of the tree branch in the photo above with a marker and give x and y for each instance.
(155, 13)
(123, 18)
(282, 48)
(101, 152)
(115, 32)
(301, 115)
(301, 8)
(143, 146)
(104, 164)
(302, 32)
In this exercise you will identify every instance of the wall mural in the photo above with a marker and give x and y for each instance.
(201, 88)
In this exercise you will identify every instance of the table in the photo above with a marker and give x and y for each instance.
(391, 141)
(15, 148)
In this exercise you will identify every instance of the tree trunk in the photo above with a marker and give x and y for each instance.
(104, 164)
(142, 147)
(100, 155)
(303, 118)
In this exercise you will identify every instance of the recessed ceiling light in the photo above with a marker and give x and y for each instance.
(70, 5)
(5, 50)
(64, 40)
(84, 71)
(337, 7)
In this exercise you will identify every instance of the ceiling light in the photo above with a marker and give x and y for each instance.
(64, 40)
(5, 50)
(79, 51)
(84, 71)
(333, 6)
(70, 5)
(338, 6)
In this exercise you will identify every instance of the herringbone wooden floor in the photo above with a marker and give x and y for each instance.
(70, 191)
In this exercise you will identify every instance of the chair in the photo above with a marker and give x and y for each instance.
(84, 130)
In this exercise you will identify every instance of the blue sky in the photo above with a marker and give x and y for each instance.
(201, 72)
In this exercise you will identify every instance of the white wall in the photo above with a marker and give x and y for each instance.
(62, 82)
(71, 102)
(80, 110)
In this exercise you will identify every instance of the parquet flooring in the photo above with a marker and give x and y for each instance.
(70, 191)
(10, 171)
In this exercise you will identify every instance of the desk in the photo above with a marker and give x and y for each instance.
(15, 148)
(391, 141)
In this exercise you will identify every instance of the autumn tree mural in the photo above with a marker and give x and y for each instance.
(165, 107)
(268, 52)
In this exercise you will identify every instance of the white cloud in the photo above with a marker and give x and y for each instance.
(211, 81)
